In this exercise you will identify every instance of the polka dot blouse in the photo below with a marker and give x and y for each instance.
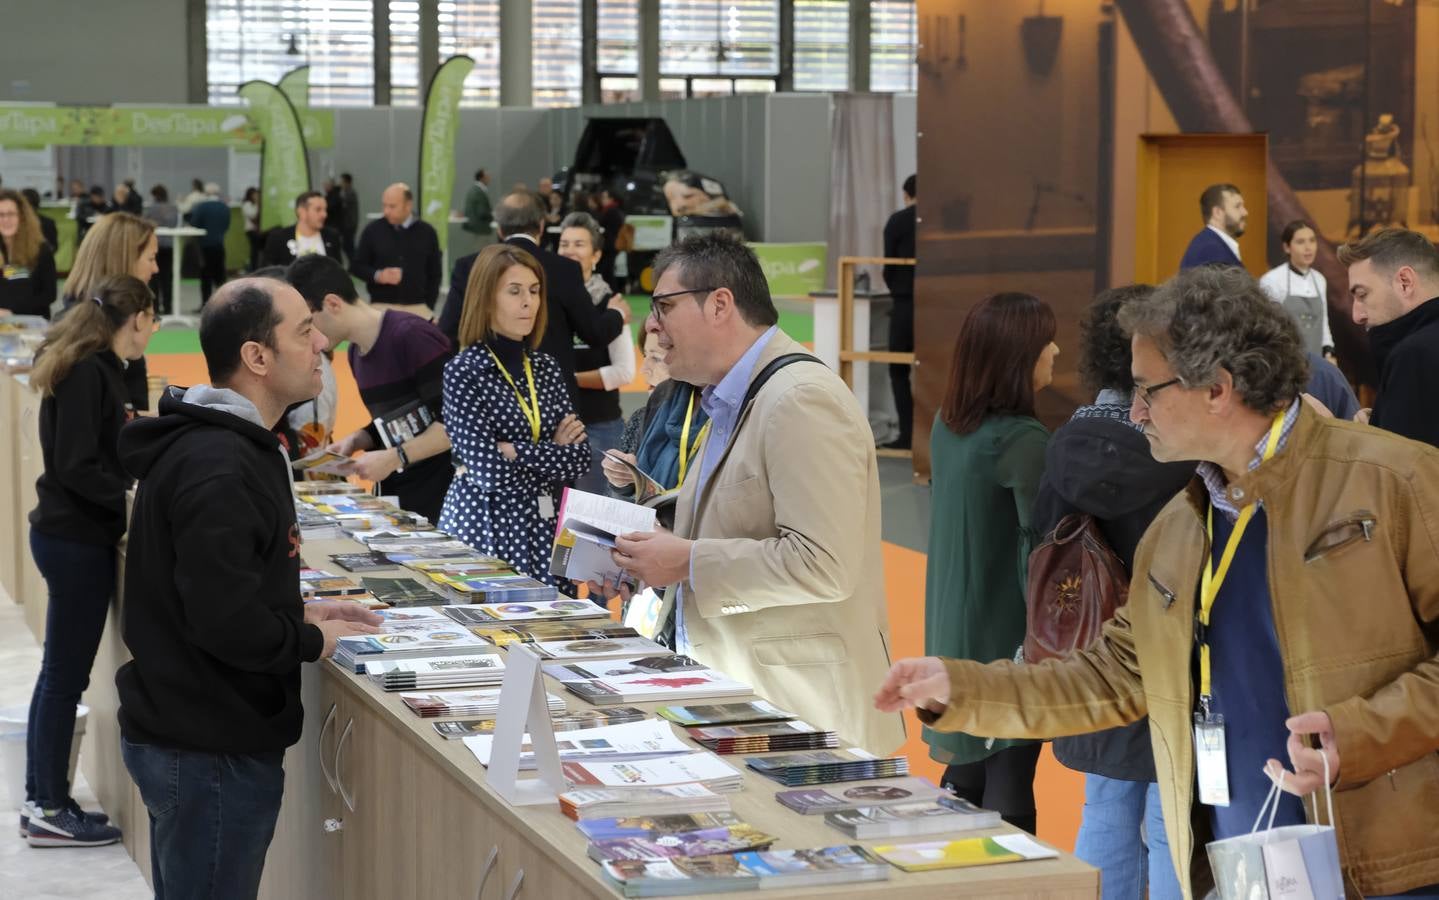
(494, 503)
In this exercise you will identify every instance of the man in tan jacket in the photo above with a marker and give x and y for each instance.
(774, 564)
(1317, 636)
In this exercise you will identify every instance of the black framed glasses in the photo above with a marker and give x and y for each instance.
(1146, 394)
(660, 309)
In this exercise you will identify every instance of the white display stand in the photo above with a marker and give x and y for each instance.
(524, 708)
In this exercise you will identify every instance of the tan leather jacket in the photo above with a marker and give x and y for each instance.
(1353, 559)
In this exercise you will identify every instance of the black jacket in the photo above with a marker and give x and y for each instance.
(277, 250)
(137, 373)
(1406, 351)
(1097, 463)
(899, 240)
(212, 608)
(415, 250)
(81, 493)
(28, 291)
(571, 312)
(49, 230)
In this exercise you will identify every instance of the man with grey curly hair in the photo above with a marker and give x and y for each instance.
(1285, 605)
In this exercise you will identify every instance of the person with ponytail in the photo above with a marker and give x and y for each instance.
(118, 244)
(79, 373)
(27, 264)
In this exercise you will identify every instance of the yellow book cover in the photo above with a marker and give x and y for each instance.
(980, 851)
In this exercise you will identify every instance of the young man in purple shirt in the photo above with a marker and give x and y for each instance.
(398, 361)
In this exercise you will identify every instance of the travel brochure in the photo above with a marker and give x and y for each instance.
(401, 592)
(509, 590)
(826, 766)
(406, 634)
(700, 767)
(654, 826)
(633, 740)
(437, 671)
(539, 632)
(871, 793)
(600, 648)
(979, 851)
(485, 614)
(702, 842)
(582, 804)
(763, 737)
(648, 687)
(585, 536)
(652, 665)
(907, 819)
(725, 713)
(751, 870)
(569, 720)
(451, 704)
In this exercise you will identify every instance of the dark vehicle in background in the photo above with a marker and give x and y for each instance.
(664, 200)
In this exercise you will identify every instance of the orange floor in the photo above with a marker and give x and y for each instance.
(1060, 791)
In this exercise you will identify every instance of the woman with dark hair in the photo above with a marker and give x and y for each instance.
(1301, 289)
(987, 456)
(514, 436)
(27, 263)
(78, 520)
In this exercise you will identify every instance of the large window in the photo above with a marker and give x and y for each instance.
(719, 37)
(821, 45)
(556, 61)
(472, 27)
(892, 46)
(404, 53)
(263, 39)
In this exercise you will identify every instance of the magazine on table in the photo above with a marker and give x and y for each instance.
(645, 739)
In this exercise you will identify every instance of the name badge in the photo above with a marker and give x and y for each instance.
(547, 507)
(1210, 759)
(15, 273)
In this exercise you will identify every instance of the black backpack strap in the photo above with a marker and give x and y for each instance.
(772, 367)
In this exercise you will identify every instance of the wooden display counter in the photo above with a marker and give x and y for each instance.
(379, 805)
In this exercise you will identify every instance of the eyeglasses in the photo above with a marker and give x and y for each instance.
(661, 310)
(1146, 394)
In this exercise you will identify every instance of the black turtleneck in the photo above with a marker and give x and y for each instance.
(510, 352)
(1407, 353)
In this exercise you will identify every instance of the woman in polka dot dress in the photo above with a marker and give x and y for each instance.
(515, 437)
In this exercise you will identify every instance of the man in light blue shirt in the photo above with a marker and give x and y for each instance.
(774, 565)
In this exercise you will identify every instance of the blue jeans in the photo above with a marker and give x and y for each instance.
(602, 436)
(79, 579)
(1109, 839)
(212, 816)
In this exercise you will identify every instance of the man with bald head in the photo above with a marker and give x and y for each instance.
(213, 616)
(398, 255)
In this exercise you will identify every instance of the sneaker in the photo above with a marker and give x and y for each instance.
(28, 809)
(68, 827)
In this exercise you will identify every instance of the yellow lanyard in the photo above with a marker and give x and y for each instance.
(532, 412)
(1211, 579)
(686, 451)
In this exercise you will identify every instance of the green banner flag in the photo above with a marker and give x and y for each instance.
(438, 133)
(147, 126)
(296, 85)
(284, 164)
(793, 270)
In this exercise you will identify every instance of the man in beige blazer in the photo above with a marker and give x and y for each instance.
(774, 565)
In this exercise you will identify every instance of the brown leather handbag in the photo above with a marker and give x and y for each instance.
(1075, 585)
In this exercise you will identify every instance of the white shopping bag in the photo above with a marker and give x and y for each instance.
(1295, 862)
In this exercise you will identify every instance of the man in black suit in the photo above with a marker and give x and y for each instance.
(899, 244)
(308, 235)
(571, 312)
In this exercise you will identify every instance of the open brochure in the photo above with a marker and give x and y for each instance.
(324, 462)
(646, 488)
(585, 536)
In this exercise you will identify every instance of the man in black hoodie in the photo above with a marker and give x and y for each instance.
(212, 613)
(1099, 463)
(1394, 282)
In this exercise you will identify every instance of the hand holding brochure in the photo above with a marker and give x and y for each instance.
(588, 526)
(646, 488)
(324, 462)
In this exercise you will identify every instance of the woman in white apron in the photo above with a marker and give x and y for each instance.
(1300, 288)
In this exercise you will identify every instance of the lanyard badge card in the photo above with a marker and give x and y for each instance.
(1211, 761)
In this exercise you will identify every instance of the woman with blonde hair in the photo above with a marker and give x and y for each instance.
(76, 523)
(118, 244)
(27, 265)
(514, 435)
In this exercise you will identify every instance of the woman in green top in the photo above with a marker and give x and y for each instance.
(987, 455)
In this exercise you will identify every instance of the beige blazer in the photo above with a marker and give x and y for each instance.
(787, 581)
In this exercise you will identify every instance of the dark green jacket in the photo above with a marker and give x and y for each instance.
(478, 214)
(983, 487)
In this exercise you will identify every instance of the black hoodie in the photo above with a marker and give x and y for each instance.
(212, 610)
(1406, 351)
(1098, 463)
